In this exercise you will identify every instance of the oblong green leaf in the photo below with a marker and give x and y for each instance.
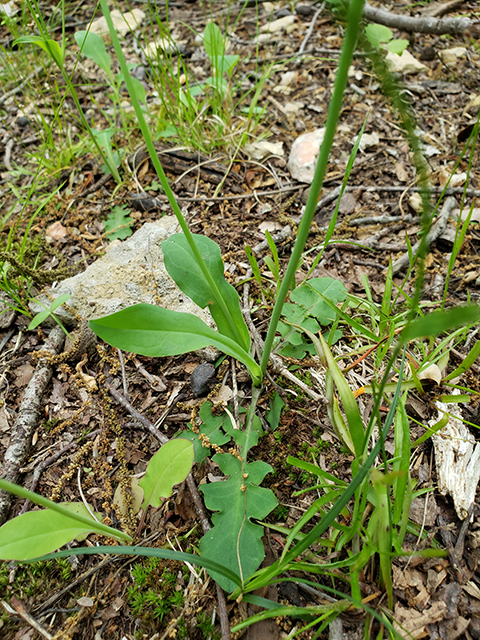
(213, 41)
(99, 527)
(440, 321)
(38, 532)
(93, 47)
(156, 332)
(169, 466)
(51, 47)
(182, 266)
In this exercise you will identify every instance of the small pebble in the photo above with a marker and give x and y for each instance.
(22, 121)
(202, 379)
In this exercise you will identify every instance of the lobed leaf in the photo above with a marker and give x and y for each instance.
(235, 540)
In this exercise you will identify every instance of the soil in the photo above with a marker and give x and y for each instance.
(95, 597)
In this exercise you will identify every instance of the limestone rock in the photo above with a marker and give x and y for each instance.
(123, 23)
(260, 150)
(451, 56)
(128, 274)
(405, 63)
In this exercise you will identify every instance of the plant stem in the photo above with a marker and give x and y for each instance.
(161, 174)
(354, 17)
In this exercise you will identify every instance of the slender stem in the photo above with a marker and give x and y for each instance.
(354, 17)
(163, 179)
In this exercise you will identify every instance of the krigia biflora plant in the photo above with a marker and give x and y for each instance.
(194, 262)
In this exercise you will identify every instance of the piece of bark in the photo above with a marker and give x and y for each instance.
(421, 24)
(27, 419)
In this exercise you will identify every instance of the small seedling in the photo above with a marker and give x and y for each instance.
(381, 37)
(49, 313)
(118, 225)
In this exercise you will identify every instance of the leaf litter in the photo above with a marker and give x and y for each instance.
(425, 589)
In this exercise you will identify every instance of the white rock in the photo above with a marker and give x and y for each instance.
(270, 225)
(160, 46)
(405, 63)
(304, 154)
(293, 107)
(278, 25)
(450, 56)
(287, 78)
(262, 149)
(123, 23)
(125, 275)
(368, 140)
(263, 37)
(415, 201)
(456, 180)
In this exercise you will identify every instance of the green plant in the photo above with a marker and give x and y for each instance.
(381, 37)
(49, 313)
(195, 264)
(152, 595)
(203, 114)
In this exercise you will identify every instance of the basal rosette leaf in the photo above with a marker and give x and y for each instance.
(36, 533)
(152, 331)
(182, 266)
(169, 466)
(235, 540)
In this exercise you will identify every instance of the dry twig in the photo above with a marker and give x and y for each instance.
(27, 419)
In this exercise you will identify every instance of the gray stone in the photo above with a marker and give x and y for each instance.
(132, 271)
(7, 312)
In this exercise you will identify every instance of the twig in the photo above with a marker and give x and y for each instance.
(301, 49)
(438, 26)
(8, 153)
(56, 596)
(19, 608)
(27, 419)
(124, 375)
(385, 219)
(436, 231)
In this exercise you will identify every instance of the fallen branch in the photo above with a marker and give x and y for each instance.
(422, 24)
(27, 419)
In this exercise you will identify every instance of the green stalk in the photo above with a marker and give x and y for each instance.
(354, 17)
(161, 174)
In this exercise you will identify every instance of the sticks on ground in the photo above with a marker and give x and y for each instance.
(27, 420)
(422, 24)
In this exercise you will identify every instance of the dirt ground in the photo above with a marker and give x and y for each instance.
(98, 597)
